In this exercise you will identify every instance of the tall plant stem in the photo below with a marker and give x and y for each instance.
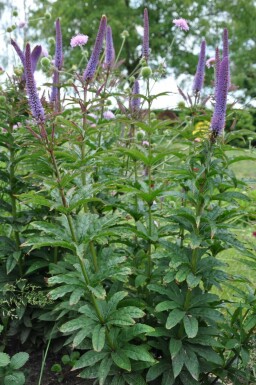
(85, 274)
(14, 203)
(149, 171)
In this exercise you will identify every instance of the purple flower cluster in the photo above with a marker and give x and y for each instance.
(225, 52)
(58, 59)
(35, 55)
(110, 50)
(34, 101)
(218, 118)
(58, 62)
(199, 77)
(94, 59)
(181, 23)
(135, 100)
(145, 44)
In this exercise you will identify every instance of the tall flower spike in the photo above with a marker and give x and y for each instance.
(135, 100)
(35, 55)
(18, 51)
(145, 45)
(225, 52)
(199, 77)
(58, 60)
(110, 50)
(94, 59)
(217, 69)
(33, 98)
(218, 118)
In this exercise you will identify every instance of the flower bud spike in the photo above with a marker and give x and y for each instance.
(35, 55)
(199, 77)
(110, 50)
(145, 45)
(58, 60)
(33, 98)
(94, 59)
(218, 118)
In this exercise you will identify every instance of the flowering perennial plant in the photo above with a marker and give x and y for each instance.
(199, 77)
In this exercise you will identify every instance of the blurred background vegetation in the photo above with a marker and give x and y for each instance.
(206, 19)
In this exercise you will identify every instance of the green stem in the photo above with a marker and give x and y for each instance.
(14, 204)
(94, 256)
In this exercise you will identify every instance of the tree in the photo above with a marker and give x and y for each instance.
(206, 18)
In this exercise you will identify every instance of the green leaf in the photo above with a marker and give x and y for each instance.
(138, 353)
(115, 299)
(156, 370)
(174, 346)
(135, 330)
(98, 337)
(89, 358)
(174, 318)
(121, 360)
(178, 362)
(76, 295)
(19, 359)
(36, 266)
(208, 354)
(166, 305)
(98, 291)
(80, 336)
(16, 378)
(104, 369)
(134, 379)
(190, 325)
(4, 359)
(168, 378)
(231, 196)
(75, 324)
(192, 364)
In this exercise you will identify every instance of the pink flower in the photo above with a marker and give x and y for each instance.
(78, 40)
(108, 115)
(254, 233)
(181, 23)
(145, 143)
(22, 24)
(210, 62)
(44, 52)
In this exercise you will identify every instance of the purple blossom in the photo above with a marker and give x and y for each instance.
(135, 100)
(35, 55)
(217, 68)
(54, 92)
(199, 77)
(108, 115)
(225, 52)
(78, 40)
(93, 61)
(181, 23)
(33, 98)
(18, 51)
(58, 60)
(145, 45)
(218, 118)
(110, 50)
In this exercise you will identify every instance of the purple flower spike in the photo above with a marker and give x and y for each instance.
(33, 98)
(199, 77)
(18, 51)
(217, 68)
(145, 45)
(218, 118)
(135, 101)
(225, 52)
(54, 93)
(58, 61)
(94, 59)
(110, 50)
(35, 55)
